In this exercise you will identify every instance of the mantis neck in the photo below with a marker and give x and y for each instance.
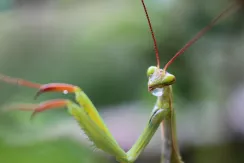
(170, 146)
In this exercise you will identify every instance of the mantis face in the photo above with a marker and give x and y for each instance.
(158, 79)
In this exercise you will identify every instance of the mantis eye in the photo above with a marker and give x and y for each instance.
(151, 70)
(169, 79)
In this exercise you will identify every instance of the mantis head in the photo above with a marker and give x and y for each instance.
(158, 79)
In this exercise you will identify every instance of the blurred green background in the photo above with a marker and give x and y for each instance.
(105, 47)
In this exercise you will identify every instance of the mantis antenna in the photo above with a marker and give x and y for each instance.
(187, 45)
(153, 37)
(198, 35)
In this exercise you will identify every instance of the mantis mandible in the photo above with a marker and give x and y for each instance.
(88, 118)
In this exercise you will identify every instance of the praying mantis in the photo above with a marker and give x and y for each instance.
(84, 112)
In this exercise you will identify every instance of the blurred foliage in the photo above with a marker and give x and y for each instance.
(61, 151)
(105, 47)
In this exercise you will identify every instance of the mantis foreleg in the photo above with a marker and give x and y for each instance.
(90, 121)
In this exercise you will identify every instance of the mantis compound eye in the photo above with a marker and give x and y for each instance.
(151, 70)
(169, 79)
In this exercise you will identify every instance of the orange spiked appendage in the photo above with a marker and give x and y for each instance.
(52, 104)
(56, 87)
(19, 81)
(51, 87)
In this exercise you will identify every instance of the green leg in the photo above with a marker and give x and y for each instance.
(98, 136)
(152, 126)
(93, 125)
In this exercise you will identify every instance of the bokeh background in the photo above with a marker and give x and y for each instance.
(105, 47)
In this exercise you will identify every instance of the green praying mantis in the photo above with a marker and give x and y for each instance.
(84, 112)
